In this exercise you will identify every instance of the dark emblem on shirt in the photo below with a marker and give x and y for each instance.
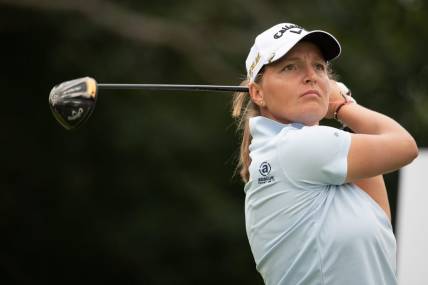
(264, 170)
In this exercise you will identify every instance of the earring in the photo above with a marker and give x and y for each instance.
(262, 103)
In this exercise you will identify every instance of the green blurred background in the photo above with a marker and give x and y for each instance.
(144, 193)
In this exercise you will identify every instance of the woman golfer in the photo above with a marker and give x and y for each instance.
(316, 207)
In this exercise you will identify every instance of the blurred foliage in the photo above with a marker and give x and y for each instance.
(144, 193)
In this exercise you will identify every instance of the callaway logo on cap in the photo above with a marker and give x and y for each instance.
(275, 42)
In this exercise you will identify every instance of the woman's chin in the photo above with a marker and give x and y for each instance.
(311, 119)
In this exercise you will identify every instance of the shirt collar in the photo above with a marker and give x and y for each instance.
(262, 127)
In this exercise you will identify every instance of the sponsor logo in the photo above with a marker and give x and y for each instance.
(75, 114)
(265, 170)
(253, 65)
(291, 28)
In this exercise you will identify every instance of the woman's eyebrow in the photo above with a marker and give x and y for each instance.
(285, 59)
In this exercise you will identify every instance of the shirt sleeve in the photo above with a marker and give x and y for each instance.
(315, 155)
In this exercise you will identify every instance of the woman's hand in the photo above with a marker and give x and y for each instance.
(336, 97)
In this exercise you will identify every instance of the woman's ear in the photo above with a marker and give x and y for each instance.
(256, 94)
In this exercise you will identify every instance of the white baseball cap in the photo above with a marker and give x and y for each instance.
(275, 42)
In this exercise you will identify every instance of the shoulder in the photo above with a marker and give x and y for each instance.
(318, 131)
(317, 154)
(314, 137)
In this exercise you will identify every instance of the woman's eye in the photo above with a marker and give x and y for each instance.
(320, 66)
(289, 67)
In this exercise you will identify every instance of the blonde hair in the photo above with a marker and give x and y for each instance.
(243, 108)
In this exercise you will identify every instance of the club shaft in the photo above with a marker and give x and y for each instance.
(172, 87)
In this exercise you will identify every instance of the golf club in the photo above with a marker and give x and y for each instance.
(72, 102)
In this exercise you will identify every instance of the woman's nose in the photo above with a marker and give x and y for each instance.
(310, 75)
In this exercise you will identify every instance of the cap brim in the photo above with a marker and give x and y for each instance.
(328, 45)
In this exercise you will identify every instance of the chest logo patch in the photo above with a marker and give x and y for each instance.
(264, 170)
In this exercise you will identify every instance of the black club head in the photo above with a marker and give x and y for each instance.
(72, 102)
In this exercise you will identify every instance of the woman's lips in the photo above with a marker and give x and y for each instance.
(311, 93)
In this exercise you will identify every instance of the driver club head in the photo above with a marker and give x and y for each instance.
(72, 102)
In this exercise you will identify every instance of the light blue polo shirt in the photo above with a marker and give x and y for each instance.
(304, 224)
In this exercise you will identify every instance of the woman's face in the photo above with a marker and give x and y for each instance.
(294, 88)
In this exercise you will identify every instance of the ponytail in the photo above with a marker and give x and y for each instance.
(243, 109)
